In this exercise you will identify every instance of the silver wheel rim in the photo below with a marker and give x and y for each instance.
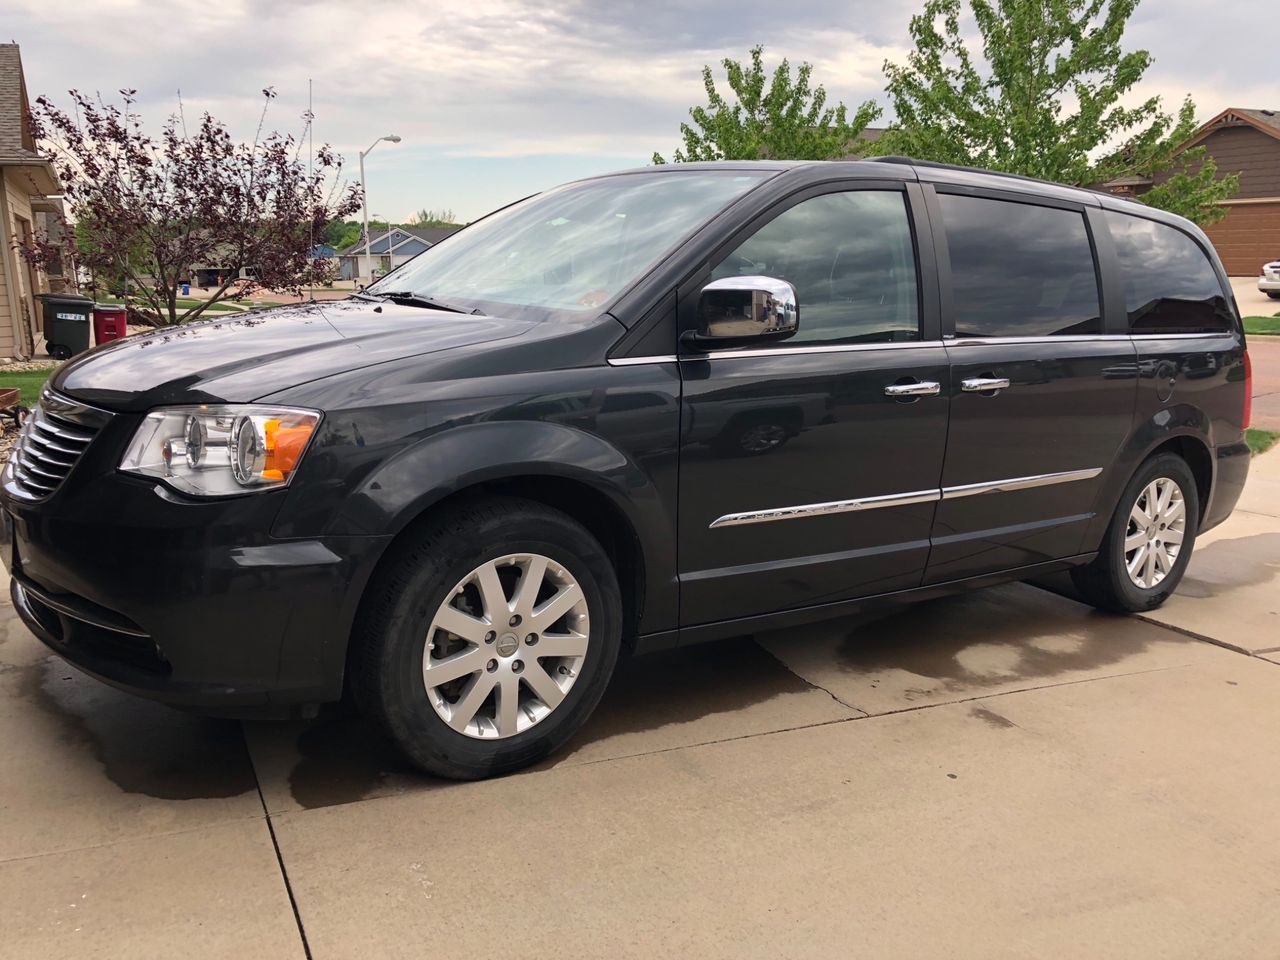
(506, 647)
(1153, 538)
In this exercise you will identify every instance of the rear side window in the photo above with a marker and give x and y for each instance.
(1019, 270)
(1169, 284)
(852, 261)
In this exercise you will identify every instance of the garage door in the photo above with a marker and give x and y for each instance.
(1247, 237)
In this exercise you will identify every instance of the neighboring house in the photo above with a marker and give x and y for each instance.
(27, 181)
(866, 139)
(1244, 142)
(388, 249)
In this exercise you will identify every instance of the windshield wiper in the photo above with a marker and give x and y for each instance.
(410, 299)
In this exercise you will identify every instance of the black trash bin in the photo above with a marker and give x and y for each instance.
(66, 323)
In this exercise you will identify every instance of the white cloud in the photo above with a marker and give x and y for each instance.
(515, 82)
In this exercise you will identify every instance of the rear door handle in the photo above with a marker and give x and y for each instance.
(984, 384)
(925, 388)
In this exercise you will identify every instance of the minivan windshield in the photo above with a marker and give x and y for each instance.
(573, 248)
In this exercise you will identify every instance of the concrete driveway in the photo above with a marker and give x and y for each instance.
(1001, 774)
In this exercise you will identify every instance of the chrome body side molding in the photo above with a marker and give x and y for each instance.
(826, 509)
(1018, 483)
(902, 499)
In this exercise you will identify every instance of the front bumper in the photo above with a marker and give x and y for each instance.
(190, 603)
(1268, 285)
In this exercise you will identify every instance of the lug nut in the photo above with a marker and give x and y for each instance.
(531, 639)
(491, 666)
(516, 666)
(490, 637)
(515, 621)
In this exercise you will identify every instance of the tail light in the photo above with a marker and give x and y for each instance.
(1248, 390)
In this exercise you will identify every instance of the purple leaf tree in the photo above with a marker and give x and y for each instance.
(148, 210)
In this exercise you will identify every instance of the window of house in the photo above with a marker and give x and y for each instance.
(1019, 270)
(852, 261)
(1169, 284)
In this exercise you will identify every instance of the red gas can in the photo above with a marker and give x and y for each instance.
(109, 322)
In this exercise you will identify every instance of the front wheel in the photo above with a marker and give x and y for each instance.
(1148, 544)
(1273, 295)
(488, 640)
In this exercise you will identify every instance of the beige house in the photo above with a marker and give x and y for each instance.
(29, 206)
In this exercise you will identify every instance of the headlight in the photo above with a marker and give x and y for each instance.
(214, 451)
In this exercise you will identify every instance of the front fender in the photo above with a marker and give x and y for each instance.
(465, 455)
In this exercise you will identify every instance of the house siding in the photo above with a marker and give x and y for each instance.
(18, 206)
(1246, 151)
(6, 319)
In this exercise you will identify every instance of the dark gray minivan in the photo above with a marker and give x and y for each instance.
(634, 412)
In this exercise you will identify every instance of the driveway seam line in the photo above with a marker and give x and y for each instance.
(275, 845)
(872, 716)
(162, 835)
(805, 680)
(1199, 636)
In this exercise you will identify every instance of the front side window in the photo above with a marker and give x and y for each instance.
(1169, 284)
(1019, 270)
(574, 248)
(851, 259)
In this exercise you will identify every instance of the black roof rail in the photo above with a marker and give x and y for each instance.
(963, 169)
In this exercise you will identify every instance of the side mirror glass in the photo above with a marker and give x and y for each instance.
(737, 310)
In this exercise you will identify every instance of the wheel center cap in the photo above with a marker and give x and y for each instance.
(507, 644)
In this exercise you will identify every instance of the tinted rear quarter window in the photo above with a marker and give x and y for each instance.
(1169, 283)
(1019, 270)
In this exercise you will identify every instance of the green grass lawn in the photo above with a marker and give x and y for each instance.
(1262, 325)
(28, 381)
(188, 303)
(1260, 440)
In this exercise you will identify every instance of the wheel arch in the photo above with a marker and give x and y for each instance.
(1182, 429)
(562, 467)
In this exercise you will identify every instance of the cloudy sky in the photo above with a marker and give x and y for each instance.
(496, 99)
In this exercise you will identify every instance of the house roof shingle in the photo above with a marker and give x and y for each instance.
(15, 138)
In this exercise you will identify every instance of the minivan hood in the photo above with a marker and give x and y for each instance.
(241, 358)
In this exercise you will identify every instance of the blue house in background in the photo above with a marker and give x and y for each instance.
(388, 249)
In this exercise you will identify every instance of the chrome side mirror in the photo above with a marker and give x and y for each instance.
(736, 310)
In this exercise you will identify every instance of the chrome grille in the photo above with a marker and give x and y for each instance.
(52, 440)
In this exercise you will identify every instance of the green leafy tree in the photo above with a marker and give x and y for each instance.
(1041, 91)
(780, 117)
(341, 233)
(434, 218)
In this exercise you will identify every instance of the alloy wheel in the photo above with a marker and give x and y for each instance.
(506, 646)
(1153, 538)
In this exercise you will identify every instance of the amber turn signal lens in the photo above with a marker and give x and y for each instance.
(285, 442)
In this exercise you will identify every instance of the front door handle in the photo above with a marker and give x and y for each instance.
(984, 384)
(924, 388)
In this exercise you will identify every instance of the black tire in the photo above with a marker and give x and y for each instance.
(391, 632)
(1273, 295)
(1105, 582)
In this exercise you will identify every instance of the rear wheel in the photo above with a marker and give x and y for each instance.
(490, 639)
(1148, 544)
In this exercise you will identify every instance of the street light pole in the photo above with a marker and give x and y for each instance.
(364, 198)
